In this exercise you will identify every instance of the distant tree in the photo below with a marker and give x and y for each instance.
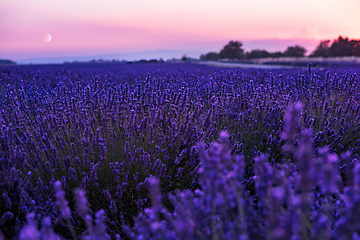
(321, 50)
(232, 50)
(295, 51)
(257, 54)
(343, 47)
(340, 47)
(356, 50)
(211, 56)
(354, 47)
(276, 54)
(6, 61)
(142, 61)
(184, 58)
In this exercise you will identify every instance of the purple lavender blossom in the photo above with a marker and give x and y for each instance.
(61, 201)
(291, 122)
(81, 202)
(30, 231)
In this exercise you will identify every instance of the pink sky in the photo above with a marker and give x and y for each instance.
(92, 27)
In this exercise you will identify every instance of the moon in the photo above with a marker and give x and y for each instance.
(47, 37)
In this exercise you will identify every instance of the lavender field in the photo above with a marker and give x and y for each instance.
(179, 151)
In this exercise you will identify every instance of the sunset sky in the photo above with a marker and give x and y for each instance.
(94, 27)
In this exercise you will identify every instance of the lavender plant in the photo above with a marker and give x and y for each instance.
(291, 203)
(301, 200)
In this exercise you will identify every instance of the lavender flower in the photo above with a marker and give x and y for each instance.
(46, 231)
(61, 201)
(81, 202)
(30, 231)
(292, 121)
(6, 217)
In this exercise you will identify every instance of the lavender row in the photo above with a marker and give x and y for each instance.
(300, 199)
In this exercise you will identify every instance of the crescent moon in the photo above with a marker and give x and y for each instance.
(47, 37)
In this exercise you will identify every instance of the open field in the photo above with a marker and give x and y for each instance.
(286, 62)
(351, 59)
(179, 151)
(240, 65)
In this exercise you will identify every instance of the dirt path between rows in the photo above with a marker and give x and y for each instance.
(242, 65)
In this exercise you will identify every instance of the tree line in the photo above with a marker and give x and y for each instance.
(6, 61)
(339, 47)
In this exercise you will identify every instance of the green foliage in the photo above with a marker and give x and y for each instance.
(6, 61)
(257, 54)
(211, 56)
(184, 58)
(295, 51)
(344, 47)
(232, 50)
(321, 50)
(339, 48)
